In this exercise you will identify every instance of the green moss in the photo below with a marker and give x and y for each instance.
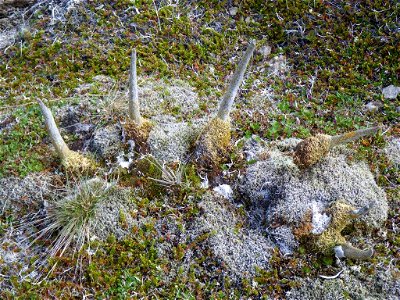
(213, 144)
(21, 151)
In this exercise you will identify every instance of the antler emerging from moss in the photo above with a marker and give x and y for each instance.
(134, 107)
(138, 128)
(216, 136)
(331, 239)
(313, 149)
(71, 160)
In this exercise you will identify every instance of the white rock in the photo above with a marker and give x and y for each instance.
(390, 92)
(233, 11)
(372, 106)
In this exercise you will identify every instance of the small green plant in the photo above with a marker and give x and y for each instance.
(20, 150)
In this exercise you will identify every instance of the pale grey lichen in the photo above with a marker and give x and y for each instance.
(160, 97)
(171, 141)
(242, 249)
(115, 215)
(392, 151)
(351, 284)
(29, 193)
(106, 142)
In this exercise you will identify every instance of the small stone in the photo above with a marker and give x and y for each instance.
(233, 11)
(265, 51)
(372, 106)
(277, 65)
(390, 92)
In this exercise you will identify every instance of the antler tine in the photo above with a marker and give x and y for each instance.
(55, 136)
(134, 107)
(227, 101)
(352, 136)
(347, 250)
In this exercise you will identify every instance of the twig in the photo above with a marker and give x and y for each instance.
(331, 277)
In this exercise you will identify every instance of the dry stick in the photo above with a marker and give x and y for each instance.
(134, 112)
(352, 136)
(227, 101)
(55, 136)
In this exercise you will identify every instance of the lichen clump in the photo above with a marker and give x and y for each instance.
(311, 150)
(170, 142)
(213, 143)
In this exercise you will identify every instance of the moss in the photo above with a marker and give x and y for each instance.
(213, 144)
(311, 150)
(139, 134)
(331, 237)
(78, 164)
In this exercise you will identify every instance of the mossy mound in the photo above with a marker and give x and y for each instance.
(213, 144)
(78, 164)
(139, 134)
(340, 216)
(311, 150)
(281, 194)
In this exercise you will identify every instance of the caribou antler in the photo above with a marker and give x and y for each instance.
(134, 107)
(341, 215)
(215, 138)
(71, 160)
(348, 251)
(56, 139)
(137, 128)
(311, 150)
(229, 96)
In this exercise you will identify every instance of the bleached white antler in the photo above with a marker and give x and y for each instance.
(311, 150)
(134, 107)
(72, 161)
(229, 96)
(54, 134)
(213, 142)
